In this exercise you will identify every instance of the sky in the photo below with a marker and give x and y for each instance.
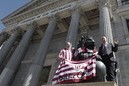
(9, 6)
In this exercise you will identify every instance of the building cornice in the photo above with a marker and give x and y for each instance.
(18, 10)
(28, 6)
(58, 7)
(35, 11)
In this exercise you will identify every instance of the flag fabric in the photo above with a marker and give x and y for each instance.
(75, 71)
(87, 51)
(65, 54)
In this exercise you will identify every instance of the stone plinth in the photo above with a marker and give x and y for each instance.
(87, 84)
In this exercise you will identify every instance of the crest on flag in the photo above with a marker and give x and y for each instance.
(75, 71)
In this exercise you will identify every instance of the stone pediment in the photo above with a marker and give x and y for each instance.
(33, 10)
(29, 6)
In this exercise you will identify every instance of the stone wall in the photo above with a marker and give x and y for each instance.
(123, 59)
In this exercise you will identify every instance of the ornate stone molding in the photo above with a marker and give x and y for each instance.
(55, 7)
(36, 11)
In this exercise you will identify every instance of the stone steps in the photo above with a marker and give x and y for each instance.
(87, 84)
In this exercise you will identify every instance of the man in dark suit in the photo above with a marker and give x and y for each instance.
(106, 51)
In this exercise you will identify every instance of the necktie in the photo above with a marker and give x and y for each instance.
(104, 49)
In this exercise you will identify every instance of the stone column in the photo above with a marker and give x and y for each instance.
(13, 64)
(104, 21)
(119, 2)
(73, 28)
(71, 36)
(7, 46)
(38, 62)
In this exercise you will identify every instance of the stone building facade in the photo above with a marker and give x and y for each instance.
(36, 32)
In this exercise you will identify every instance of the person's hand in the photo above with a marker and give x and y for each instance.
(116, 41)
(117, 70)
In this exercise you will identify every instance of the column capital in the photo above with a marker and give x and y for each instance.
(103, 2)
(54, 16)
(76, 8)
(22, 30)
(32, 24)
(4, 34)
(16, 29)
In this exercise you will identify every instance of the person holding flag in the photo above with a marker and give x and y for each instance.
(66, 53)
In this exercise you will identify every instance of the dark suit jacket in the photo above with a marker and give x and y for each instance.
(113, 49)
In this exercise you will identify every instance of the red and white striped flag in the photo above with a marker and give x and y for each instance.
(75, 71)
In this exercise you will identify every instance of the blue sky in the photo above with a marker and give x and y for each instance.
(9, 6)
